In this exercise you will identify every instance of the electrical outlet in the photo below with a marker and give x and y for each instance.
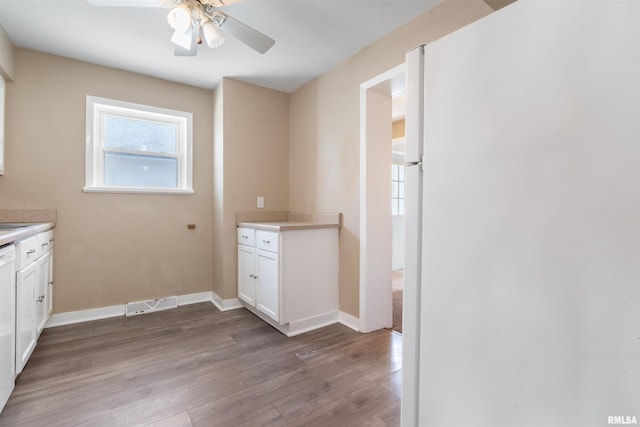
(260, 202)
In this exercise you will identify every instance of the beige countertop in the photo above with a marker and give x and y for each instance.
(10, 236)
(284, 221)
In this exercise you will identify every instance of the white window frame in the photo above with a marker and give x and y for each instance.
(98, 108)
(396, 200)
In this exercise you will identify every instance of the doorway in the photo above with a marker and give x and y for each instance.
(398, 153)
(375, 187)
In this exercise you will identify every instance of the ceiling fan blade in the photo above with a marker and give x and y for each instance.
(188, 47)
(247, 35)
(133, 3)
(219, 3)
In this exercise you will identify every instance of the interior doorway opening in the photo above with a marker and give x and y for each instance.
(376, 226)
(398, 158)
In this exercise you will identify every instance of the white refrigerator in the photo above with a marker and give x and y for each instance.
(522, 277)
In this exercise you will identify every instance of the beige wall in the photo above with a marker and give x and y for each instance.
(324, 132)
(115, 248)
(7, 55)
(110, 248)
(253, 151)
(299, 151)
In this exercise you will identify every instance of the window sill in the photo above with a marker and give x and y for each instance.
(135, 190)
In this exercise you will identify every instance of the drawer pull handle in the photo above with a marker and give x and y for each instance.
(245, 237)
(45, 244)
(52, 239)
(268, 242)
(32, 251)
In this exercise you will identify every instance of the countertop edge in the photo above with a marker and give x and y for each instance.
(287, 227)
(8, 237)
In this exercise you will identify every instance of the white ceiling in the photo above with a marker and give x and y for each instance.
(311, 37)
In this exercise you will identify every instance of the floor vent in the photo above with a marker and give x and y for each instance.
(143, 307)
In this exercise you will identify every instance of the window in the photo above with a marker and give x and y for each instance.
(133, 148)
(397, 190)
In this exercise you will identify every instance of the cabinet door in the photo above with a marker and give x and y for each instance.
(26, 286)
(41, 302)
(268, 284)
(247, 274)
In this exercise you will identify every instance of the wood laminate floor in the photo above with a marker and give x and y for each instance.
(197, 366)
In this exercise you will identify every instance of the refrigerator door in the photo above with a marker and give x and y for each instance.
(531, 248)
(413, 117)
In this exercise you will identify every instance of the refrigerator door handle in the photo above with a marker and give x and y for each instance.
(420, 163)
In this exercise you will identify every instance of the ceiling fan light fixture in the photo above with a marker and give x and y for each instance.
(212, 34)
(180, 18)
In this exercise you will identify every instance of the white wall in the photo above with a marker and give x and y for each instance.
(375, 218)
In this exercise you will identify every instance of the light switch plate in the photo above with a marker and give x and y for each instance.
(260, 202)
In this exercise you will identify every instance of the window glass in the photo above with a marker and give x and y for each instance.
(142, 135)
(128, 170)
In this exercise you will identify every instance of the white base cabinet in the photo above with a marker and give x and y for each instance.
(34, 293)
(289, 278)
(7, 323)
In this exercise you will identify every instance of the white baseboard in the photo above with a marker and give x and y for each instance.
(194, 298)
(298, 327)
(80, 316)
(225, 304)
(315, 322)
(349, 321)
(71, 317)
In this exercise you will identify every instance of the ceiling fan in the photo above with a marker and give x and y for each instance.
(190, 18)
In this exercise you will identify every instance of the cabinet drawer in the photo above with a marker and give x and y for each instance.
(45, 242)
(27, 251)
(267, 240)
(48, 238)
(247, 236)
(7, 255)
